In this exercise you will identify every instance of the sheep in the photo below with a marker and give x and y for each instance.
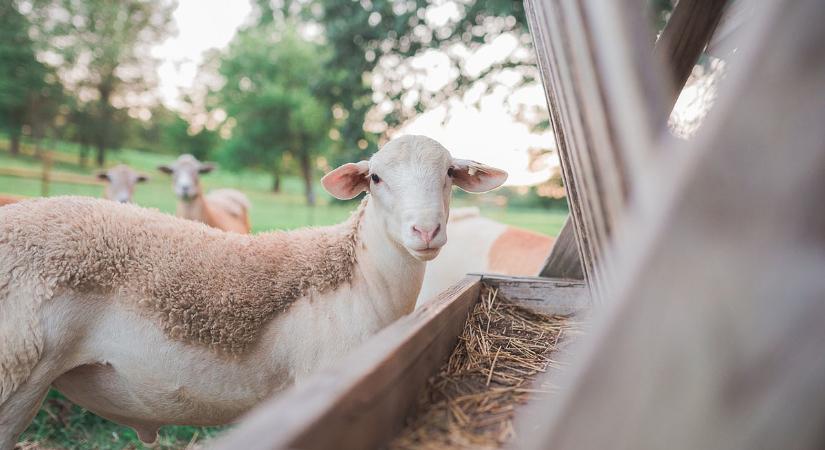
(478, 244)
(148, 319)
(8, 199)
(225, 209)
(120, 182)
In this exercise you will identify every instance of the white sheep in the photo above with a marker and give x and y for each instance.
(120, 182)
(225, 209)
(148, 320)
(478, 244)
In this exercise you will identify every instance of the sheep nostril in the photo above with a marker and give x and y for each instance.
(425, 234)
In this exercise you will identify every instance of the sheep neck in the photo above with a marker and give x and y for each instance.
(392, 275)
(195, 209)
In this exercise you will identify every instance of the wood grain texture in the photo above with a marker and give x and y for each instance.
(544, 295)
(607, 105)
(685, 36)
(564, 260)
(362, 402)
(716, 337)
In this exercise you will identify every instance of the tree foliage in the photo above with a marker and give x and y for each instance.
(102, 50)
(270, 75)
(24, 81)
(378, 38)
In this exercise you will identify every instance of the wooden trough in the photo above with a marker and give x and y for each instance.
(363, 402)
(707, 251)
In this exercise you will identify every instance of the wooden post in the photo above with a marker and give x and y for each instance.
(607, 107)
(684, 38)
(564, 260)
(717, 337)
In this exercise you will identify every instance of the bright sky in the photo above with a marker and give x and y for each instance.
(201, 25)
(488, 134)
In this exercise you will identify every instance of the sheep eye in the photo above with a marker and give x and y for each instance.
(450, 172)
(375, 178)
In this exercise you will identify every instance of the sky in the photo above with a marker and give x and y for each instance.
(488, 133)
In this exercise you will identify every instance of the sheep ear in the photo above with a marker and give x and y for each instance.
(166, 169)
(207, 167)
(347, 181)
(141, 178)
(476, 177)
(102, 175)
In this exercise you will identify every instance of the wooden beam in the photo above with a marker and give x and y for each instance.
(545, 295)
(607, 108)
(687, 33)
(363, 401)
(716, 338)
(564, 260)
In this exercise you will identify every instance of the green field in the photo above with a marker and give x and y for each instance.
(59, 424)
(285, 210)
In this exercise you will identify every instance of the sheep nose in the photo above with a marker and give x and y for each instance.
(426, 234)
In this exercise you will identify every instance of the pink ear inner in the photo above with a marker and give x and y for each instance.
(347, 181)
(476, 177)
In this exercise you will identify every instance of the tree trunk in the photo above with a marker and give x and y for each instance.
(15, 144)
(101, 152)
(105, 91)
(306, 172)
(84, 153)
(276, 181)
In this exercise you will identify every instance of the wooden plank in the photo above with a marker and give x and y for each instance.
(632, 80)
(545, 295)
(30, 150)
(590, 212)
(607, 108)
(685, 36)
(716, 338)
(564, 260)
(363, 401)
(55, 177)
(737, 14)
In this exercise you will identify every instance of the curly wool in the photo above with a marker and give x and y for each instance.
(204, 286)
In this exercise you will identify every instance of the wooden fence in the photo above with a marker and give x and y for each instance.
(46, 175)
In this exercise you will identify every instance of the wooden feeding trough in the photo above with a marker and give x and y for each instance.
(696, 350)
(363, 402)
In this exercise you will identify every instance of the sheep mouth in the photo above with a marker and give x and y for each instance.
(426, 254)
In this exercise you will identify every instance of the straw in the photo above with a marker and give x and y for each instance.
(471, 402)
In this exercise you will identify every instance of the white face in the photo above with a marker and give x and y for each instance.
(185, 173)
(121, 181)
(410, 180)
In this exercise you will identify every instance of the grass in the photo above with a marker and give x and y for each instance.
(282, 211)
(60, 424)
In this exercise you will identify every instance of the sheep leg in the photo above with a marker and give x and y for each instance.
(17, 412)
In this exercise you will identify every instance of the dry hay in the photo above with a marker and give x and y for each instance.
(471, 402)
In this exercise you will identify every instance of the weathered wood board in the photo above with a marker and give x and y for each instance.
(685, 36)
(716, 338)
(362, 402)
(607, 107)
(563, 297)
(564, 260)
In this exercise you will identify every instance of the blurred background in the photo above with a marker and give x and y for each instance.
(277, 92)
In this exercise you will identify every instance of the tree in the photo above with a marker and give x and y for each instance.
(104, 50)
(376, 38)
(268, 95)
(22, 76)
